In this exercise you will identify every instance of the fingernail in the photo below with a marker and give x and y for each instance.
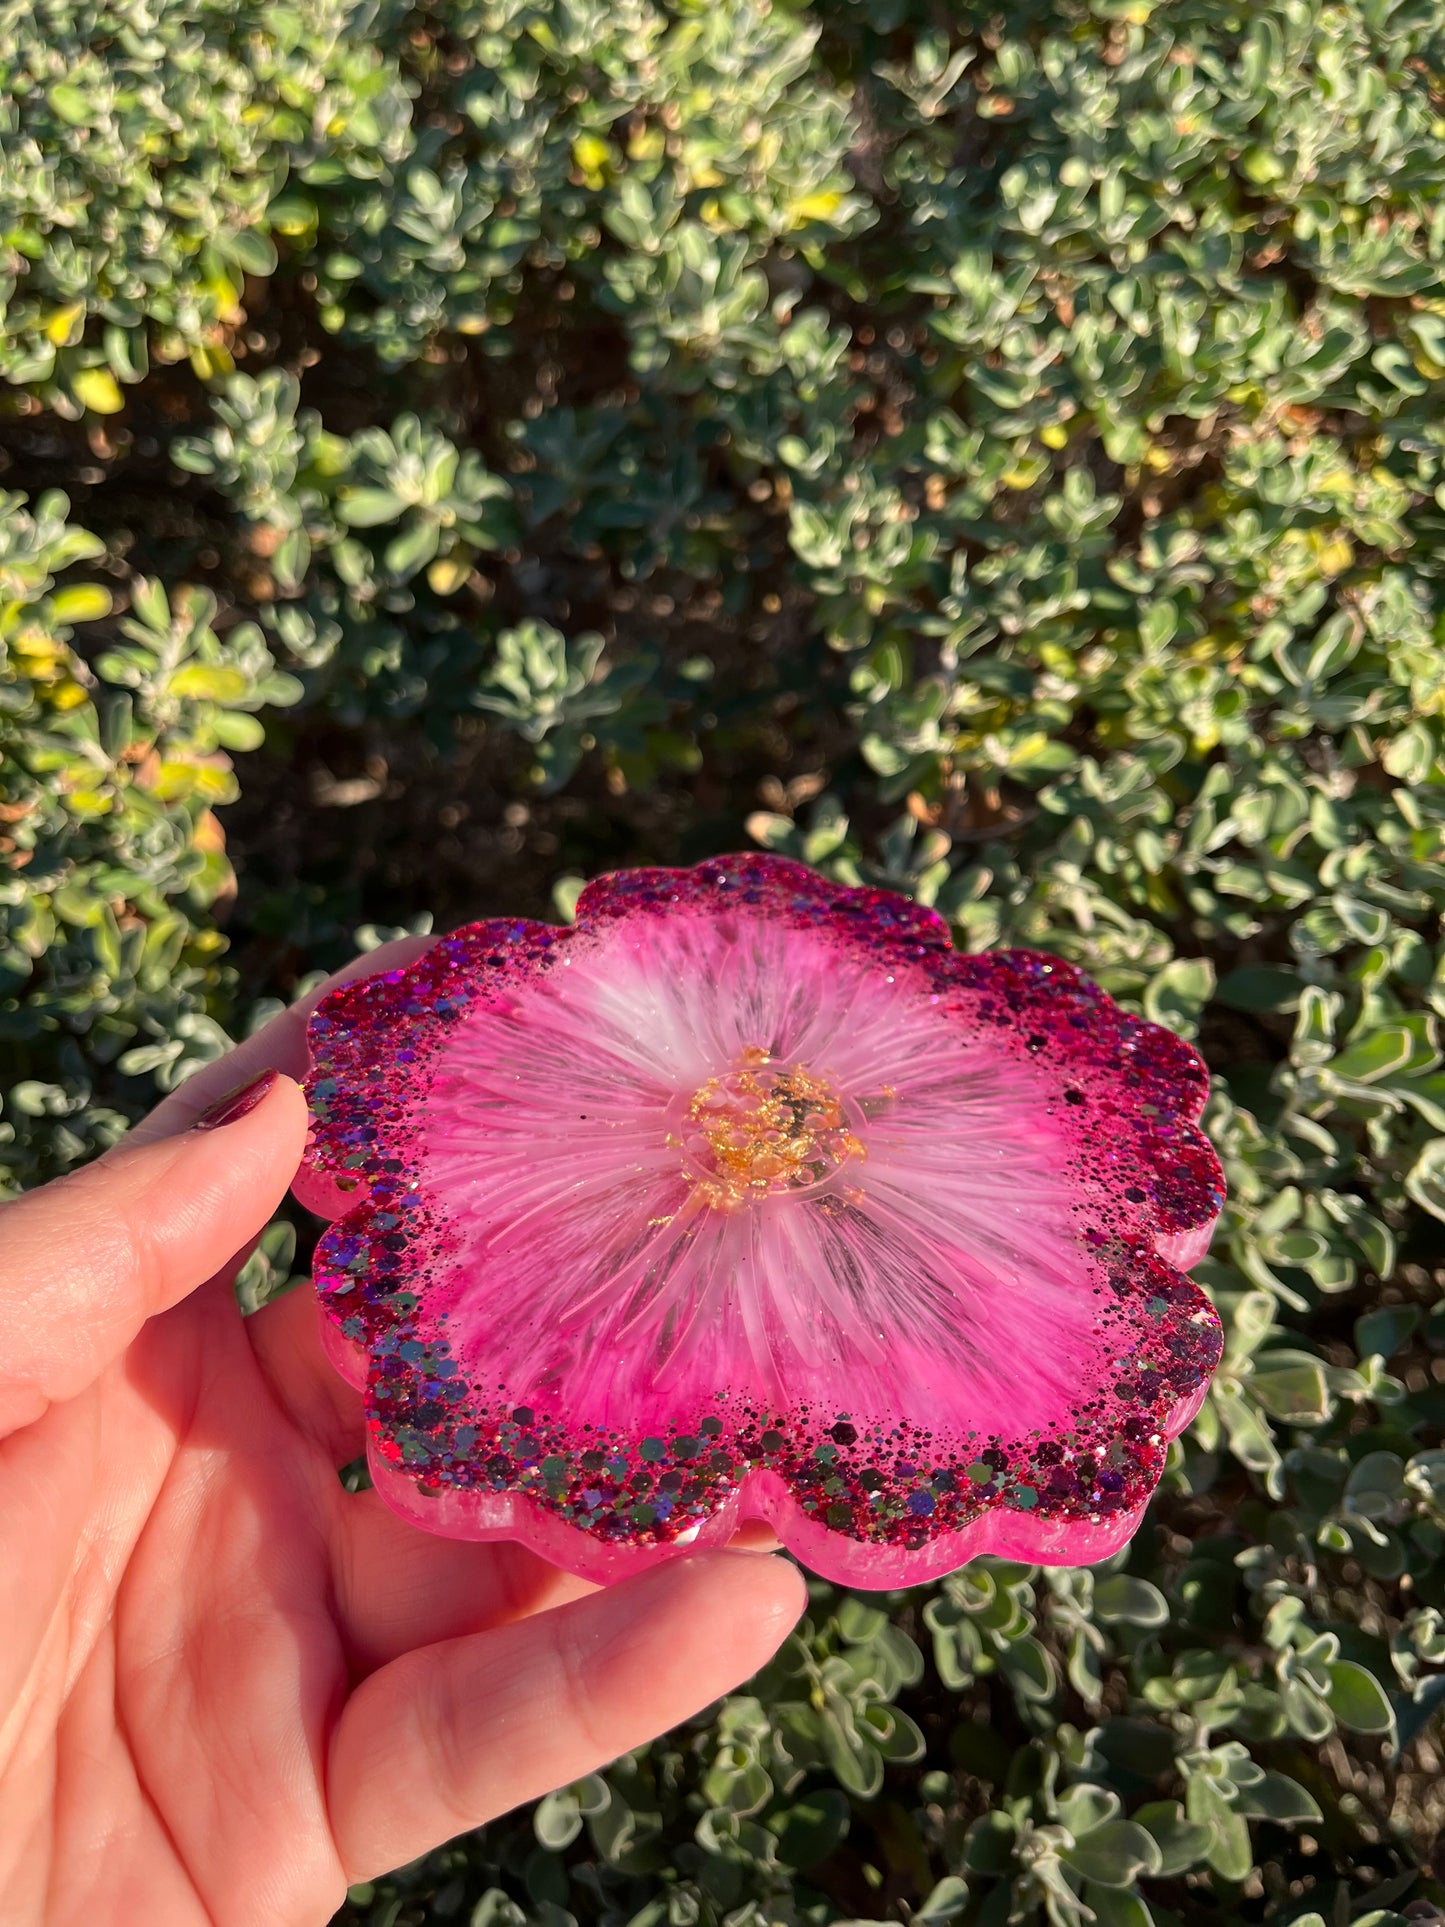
(236, 1103)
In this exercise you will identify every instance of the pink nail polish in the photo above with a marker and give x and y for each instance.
(235, 1104)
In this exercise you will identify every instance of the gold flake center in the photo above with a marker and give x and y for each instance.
(763, 1128)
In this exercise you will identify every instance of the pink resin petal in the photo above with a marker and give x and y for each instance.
(749, 1198)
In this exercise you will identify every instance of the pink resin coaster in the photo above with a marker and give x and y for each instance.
(750, 1198)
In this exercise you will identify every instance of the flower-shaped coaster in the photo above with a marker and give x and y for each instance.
(748, 1197)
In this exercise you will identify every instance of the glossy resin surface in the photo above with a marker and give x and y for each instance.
(748, 1197)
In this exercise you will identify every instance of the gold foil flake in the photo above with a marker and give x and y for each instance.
(762, 1128)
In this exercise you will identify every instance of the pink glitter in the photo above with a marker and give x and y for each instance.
(748, 1197)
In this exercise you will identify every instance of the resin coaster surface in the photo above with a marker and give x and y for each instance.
(748, 1197)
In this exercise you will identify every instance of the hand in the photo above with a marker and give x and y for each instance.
(228, 1688)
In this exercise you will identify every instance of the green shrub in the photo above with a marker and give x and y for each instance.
(999, 456)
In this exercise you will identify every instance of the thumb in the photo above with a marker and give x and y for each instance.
(85, 1261)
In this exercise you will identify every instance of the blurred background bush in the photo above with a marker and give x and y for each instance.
(450, 451)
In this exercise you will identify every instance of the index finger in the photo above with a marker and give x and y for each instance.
(279, 1045)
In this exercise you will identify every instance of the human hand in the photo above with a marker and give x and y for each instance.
(229, 1688)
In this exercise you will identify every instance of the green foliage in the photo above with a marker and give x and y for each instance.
(996, 456)
(112, 854)
(143, 151)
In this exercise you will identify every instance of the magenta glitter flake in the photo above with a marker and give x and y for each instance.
(748, 1197)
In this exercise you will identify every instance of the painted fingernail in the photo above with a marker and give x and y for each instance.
(236, 1103)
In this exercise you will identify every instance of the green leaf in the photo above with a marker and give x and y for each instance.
(1375, 1485)
(1425, 1180)
(237, 731)
(1276, 1797)
(1182, 1843)
(1112, 1907)
(1291, 1386)
(1370, 1058)
(1229, 1849)
(859, 1620)
(945, 1900)
(1260, 987)
(366, 508)
(97, 390)
(1119, 1597)
(1357, 1699)
(856, 1765)
(1413, 1714)
(65, 326)
(209, 682)
(292, 559)
(1085, 1668)
(1085, 1806)
(989, 1845)
(1382, 1333)
(127, 352)
(84, 602)
(72, 104)
(413, 548)
(291, 214)
(1114, 1855)
(897, 1737)
(1176, 995)
(810, 1828)
(250, 249)
(557, 1820)
(1028, 1668)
